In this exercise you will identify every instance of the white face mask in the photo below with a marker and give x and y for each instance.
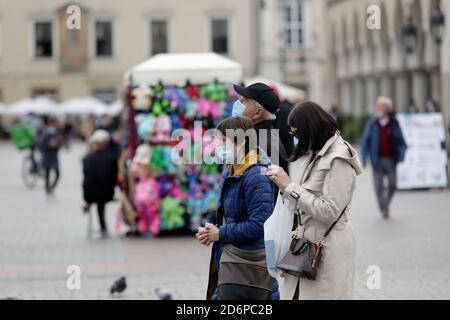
(238, 108)
(225, 154)
(379, 114)
(295, 141)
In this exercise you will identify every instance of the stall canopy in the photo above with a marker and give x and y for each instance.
(3, 109)
(177, 68)
(75, 106)
(40, 105)
(86, 105)
(286, 92)
(115, 108)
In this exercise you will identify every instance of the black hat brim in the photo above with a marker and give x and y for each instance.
(242, 91)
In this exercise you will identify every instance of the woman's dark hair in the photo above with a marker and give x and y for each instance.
(243, 124)
(314, 127)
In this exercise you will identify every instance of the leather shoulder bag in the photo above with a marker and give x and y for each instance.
(304, 257)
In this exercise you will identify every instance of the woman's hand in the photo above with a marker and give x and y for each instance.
(278, 176)
(212, 232)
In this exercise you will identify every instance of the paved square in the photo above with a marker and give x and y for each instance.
(40, 238)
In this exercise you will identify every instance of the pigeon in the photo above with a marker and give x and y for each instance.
(163, 295)
(119, 286)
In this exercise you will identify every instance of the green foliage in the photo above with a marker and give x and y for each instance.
(353, 126)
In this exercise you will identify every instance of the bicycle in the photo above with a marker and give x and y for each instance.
(31, 170)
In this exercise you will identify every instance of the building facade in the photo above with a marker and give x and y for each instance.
(387, 47)
(40, 54)
(345, 53)
(293, 46)
(326, 47)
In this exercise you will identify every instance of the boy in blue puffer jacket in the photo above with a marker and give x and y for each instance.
(246, 202)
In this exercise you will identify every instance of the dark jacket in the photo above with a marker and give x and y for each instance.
(100, 175)
(49, 145)
(279, 157)
(370, 142)
(246, 202)
(281, 123)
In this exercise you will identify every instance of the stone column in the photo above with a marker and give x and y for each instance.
(340, 64)
(397, 60)
(402, 94)
(371, 95)
(367, 65)
(419, 89)
(358, 98)
(346, 97)
(436, 87)
(386, 88)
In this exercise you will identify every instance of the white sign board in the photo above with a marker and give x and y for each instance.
(425, 164)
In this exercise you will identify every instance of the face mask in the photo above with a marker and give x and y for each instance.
(238, 109)
(295, 141)
(379, 114)
(225, 154)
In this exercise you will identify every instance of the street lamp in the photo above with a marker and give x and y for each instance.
(409, 33)
(437, 24)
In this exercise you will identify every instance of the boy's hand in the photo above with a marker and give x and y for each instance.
(202, 236)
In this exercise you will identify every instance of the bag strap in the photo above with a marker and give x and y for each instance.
(298, 216)
(334, 223)
(298, 222)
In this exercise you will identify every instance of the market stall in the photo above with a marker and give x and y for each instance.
(169, 92)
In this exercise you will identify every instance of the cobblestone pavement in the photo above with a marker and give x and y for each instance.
(40, 238)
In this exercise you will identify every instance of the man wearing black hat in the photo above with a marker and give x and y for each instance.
(261, 104)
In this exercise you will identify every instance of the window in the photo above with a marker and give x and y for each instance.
(220, 43)
(293, 18)
(47, 92)
(104, 39)
(43, 39)
(159, 36)
(105, 95)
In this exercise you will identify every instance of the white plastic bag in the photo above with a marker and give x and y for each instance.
(277, 236)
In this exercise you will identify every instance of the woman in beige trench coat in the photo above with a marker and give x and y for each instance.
(321, 186)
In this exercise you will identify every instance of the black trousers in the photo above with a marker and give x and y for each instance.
(101, 215)
(51, 185)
